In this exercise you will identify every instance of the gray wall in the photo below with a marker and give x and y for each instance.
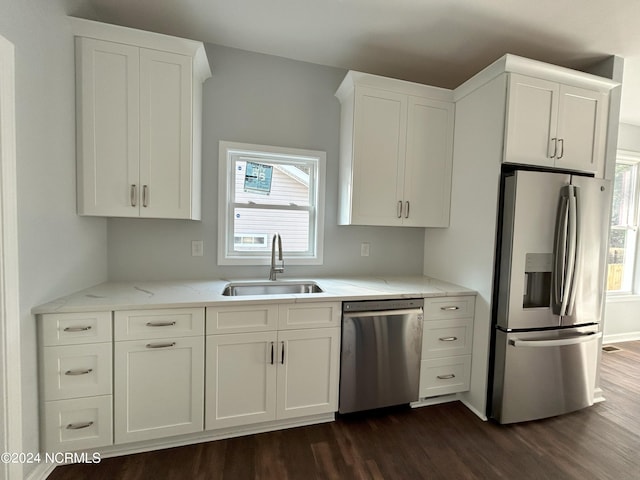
(59, 251)
(261, 99)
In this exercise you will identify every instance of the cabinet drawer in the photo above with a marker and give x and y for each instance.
(445, 338)
(309, 315)
(75, 328)
(442, 376)
(449, 307)
(162, 323)
(241, 319)
(77, 371)
(78, 424)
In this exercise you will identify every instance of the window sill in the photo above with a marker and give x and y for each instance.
(622, 297)
(258, 262)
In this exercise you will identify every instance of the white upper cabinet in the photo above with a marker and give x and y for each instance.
(554, 125)
(139, 110)
(395, 152)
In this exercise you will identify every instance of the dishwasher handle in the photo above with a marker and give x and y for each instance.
(383, 313)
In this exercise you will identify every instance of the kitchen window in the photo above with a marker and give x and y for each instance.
(265, 190)
(624, 224)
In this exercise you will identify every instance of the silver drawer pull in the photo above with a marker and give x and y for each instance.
(446, 377)
(160, 345)
(450, 308)
(79, 371)
(78, 426)
(77, 329)
(160, 324)
(448, 339)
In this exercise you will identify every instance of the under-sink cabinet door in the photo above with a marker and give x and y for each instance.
(158, 388)
(307, 372)
(241, 379)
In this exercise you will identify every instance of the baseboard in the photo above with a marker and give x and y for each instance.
(477, 412)
(425, 402)
(621, 337)
(41, 472)
(598, 395)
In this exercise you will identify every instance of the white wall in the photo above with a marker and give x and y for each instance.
(622, 313)
(59, 251)
(261, 99)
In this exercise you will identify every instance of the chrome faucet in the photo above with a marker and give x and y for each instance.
(275, 270)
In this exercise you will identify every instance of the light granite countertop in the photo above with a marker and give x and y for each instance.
(206, 293)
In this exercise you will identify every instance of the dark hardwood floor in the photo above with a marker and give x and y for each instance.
(438, 442)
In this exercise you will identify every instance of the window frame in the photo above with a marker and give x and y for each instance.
(227, 255)
(629, 158)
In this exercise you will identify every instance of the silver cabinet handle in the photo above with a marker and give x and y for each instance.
(77, 329)
(160, 324)
(448, 339)
(448, 376)
(78, 371)
(134, 195)
(555, 147)
(160, 345)
(78, 426)
(450, 308)
(399, 209)
(561, 140)
(406, 214)
(145, 196)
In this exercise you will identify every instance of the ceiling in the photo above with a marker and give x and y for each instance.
(438, 42)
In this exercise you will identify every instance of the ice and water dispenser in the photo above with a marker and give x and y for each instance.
(537, 280)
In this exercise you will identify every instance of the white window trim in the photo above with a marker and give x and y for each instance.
(224, 191)
(630, 156)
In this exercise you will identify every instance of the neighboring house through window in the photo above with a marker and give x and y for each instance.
(265, 190)
(624, 224)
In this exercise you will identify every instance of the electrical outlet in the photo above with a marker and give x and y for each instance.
(364, 249)
(197, 248)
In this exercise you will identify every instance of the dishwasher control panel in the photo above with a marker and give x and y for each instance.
(379, 305)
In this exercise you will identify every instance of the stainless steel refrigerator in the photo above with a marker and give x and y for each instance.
(549, 294)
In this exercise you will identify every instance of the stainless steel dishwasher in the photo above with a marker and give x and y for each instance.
(381, 350)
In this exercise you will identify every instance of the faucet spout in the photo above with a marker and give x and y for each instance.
(275, 270)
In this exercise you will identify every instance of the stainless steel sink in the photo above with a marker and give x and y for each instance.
(270, 288)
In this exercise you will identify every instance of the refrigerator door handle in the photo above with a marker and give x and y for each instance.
(556, 343)
(559, 250)
(572, 249)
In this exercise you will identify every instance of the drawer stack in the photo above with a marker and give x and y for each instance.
(76, 380)
(446, 345)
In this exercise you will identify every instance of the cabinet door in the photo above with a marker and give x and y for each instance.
(379, 145)
(165, 134)
(308, 372)
(427, 174)
(582, 118)
(108, 119)
(532, 118)
(158, 388)
(241, 379)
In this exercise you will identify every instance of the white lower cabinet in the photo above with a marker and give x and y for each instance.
(147, 379)
(75, 360)
(271, 375)
(446, 345)
(158, 388)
